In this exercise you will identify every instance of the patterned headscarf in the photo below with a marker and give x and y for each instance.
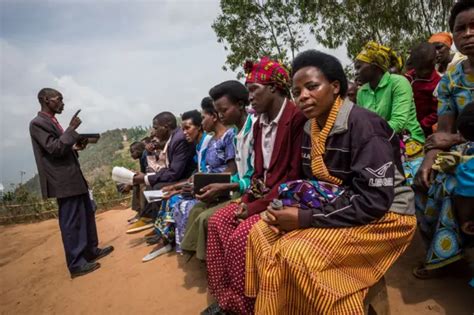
(443, 37)
(381, 56)
(267, 72)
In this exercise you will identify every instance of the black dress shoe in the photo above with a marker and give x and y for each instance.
(84, 269)
(101, 253)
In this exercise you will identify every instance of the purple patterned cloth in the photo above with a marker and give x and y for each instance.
(308, 194)
(180, 214)
(220, 151)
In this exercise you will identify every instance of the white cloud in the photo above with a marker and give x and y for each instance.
(99, 112)
(162, 56)
(121, 62)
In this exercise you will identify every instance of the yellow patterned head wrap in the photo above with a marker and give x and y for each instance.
(381, 56)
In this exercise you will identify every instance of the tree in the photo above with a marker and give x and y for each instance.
(252, 29)
(397, 23)
(8, 196)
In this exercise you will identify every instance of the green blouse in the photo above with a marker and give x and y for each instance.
(393, 100)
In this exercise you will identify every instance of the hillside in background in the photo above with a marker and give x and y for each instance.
(97, 161)
(112, 150)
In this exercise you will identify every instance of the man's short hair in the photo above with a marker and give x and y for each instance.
(137, 145)
(166, 118)
(46, 93)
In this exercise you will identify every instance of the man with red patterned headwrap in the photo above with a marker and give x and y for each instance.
(277, 146)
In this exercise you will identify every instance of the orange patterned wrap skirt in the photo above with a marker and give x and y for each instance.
(322, 270)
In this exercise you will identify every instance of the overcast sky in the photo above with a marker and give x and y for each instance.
(121, 62)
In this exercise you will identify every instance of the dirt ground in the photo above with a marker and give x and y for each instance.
(34, 278)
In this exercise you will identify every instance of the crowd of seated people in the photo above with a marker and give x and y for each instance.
(329, 179)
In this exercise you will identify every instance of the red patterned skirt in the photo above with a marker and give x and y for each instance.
(226, 247)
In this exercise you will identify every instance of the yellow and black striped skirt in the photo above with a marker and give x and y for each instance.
(322, 270)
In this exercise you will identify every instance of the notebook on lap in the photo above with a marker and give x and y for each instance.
(201, 180)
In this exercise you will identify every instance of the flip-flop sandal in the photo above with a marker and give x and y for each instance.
(157, 252)
(422, 273)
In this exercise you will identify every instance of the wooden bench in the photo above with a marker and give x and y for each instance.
(376, 301)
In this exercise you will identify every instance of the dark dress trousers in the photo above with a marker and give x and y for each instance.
(61, 178)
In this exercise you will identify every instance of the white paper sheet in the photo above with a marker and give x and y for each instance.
(153, 195)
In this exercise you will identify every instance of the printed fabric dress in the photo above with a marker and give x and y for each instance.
(435, 211)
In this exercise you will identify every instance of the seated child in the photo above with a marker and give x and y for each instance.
(424, 79)
(155, 155)
(137, 150)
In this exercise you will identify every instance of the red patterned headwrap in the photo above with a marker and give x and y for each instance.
(267, 72)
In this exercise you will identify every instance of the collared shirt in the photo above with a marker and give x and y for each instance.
(244, 154)
(201, 151)
(269, 132)
(55, 121)
(392, 99)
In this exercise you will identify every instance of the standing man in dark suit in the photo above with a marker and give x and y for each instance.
(61, 177)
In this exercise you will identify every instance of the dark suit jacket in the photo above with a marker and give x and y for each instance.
(285, 164)
(58, 165)
(181, 160)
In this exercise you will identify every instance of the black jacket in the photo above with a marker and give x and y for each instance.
(58, 165)
(364, 152)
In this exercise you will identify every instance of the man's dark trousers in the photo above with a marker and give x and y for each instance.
(78, 229)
